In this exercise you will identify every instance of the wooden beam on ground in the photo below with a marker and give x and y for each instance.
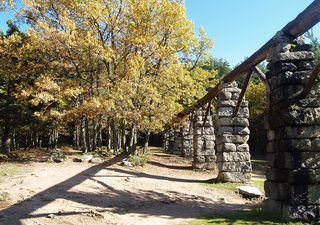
(261, 75)
(243, 91)
(301, 24)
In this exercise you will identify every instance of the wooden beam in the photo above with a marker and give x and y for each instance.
(311, 81)
(261, 75)
(243, 91)
(301, 24)
(207, 113)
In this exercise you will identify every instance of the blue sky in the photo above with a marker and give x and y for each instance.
(240, 27)
(237, 27)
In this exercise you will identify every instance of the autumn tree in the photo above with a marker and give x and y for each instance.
(109, 68)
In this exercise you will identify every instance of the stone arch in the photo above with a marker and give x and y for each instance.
(293, 122)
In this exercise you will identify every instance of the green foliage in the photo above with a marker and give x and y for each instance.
(256, 95)
(220, 65)
(315, 43)
(139, 160)
(4, 196)
(258, 183)
(254, 216)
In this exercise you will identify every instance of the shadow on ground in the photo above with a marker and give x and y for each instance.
(122, 201)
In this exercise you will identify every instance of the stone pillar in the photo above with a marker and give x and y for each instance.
(293, 177)
(187, 139)
(233, 157)
(203, 141)
(168, 140)
(177, 147)
(180, 139)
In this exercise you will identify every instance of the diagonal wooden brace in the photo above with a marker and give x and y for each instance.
(243, 91)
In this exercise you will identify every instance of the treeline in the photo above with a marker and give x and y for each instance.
(97, 73)
(103, 72)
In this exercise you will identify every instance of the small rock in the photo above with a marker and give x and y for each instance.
(51, 216)
(125, 162)
(56, 156)
(96, 160)
(249, 192)
(83, 158)
(3, 157)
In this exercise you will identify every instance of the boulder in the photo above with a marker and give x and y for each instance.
(83, 158)
(249, 192)
(96, 160)
(56, 156)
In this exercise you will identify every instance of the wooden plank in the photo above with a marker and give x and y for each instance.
(311, 81)
(261, 75)
(207, 113)
(297, 27)
(243, 91)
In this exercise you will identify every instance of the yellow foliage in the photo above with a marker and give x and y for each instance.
(256, 95)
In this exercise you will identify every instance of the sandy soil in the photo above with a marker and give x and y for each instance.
(165, 191)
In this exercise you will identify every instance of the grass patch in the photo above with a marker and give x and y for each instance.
(138, 160)
(7, 169)
(258, 183)
(4, 196)
(254, 216)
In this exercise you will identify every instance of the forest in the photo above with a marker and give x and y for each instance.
(90, 92)
(104, 74)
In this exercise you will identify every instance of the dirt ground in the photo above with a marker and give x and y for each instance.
(165, 191)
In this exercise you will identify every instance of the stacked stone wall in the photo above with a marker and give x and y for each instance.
(187, 138)
(293, 177)
(203, 140)
(180, 140)
(232, 132)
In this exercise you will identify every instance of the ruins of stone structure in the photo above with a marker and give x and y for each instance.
(180, 139)
(203, 140)
(293, 179)
(232, 134)
(194, 139)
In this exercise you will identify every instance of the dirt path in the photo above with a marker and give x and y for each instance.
(166, 191)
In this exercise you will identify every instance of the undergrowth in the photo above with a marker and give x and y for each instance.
(138, 160)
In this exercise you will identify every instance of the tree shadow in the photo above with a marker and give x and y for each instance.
(121, 201)
(154, 163)
(60, 190)
(152, 176)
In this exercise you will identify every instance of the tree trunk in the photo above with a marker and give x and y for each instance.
(123, 137)
(6, 140)
(99, 133)
(108, 138)
(14, 143)
(76, 136)
(114, 138)
(56, 138)
(83, 139)
(87, 136)
(146, 142)
(133, 140)
(135, 136)
(94, 135)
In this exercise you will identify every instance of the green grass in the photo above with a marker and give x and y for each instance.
(255, 216)
(258, 183)
(138, 160)
(4, 196)
(7, 169)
